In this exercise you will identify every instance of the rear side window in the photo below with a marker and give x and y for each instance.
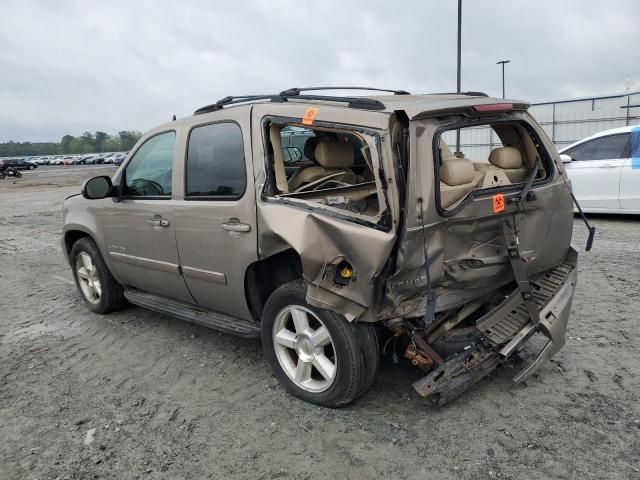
(215, 162)
(495, 155)
(149, 172)
(605, 148)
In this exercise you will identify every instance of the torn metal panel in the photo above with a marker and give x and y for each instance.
(322, 234)
(468, 258)
(319, 240)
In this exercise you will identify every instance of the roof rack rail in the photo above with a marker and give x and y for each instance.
(296, 90)
(231, 100)
(352, 102)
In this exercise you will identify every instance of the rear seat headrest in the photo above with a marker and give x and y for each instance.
(506, 157)
(332, 154)
(457, 171)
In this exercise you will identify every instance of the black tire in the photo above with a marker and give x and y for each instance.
(353, 347)
(456, 340)
(18, 174)
(2, 175)
(112, 295)
(370, 351)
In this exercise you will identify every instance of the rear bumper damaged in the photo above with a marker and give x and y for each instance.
(553, 292)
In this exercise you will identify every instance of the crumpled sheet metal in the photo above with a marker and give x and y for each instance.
(319, 239)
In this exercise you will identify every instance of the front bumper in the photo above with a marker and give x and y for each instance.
(507, 330)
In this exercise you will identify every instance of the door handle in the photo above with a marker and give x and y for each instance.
(158, 222)
(608, 166)
(234, 225)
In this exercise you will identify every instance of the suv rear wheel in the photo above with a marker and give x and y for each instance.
(99, 290)
(316, 354)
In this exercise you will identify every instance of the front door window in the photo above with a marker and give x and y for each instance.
(149, 172)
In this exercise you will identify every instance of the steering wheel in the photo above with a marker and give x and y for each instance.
(141, 185)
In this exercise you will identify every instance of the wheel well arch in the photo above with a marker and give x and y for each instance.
(264, 276)
(71, 237)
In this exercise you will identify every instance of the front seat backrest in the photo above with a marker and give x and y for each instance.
(331, 157)
(331, 154)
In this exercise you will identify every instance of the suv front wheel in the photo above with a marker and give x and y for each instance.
(316, 354)
(99, 289)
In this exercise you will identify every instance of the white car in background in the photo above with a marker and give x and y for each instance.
(605, 170)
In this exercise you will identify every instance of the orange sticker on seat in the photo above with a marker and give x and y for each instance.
(309, 116)
(498, 203)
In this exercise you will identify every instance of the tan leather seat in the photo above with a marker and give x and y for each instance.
(507, 160)
(332, 157)
(457, 179)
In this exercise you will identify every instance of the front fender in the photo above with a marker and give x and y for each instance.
(78, 219)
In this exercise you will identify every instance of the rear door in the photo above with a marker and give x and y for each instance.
(139, 229)
(216, 221)
(595, 171)
(630, 176)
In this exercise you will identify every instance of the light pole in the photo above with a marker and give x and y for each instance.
(503, 62)
(459, 66)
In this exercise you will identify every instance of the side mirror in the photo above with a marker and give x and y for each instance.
(97, 187)
(566, 158)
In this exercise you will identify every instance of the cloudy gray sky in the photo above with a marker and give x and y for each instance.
(71, 66)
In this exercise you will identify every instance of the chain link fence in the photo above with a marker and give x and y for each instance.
(565, 121)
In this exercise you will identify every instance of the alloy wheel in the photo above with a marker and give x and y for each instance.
(88, 278)
(304, 348)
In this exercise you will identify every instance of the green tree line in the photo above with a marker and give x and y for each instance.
(86, 143)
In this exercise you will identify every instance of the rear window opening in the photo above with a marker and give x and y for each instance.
(491, 156)
(326, 167)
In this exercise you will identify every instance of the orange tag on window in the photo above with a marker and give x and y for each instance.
(309, 116)
(498, 203)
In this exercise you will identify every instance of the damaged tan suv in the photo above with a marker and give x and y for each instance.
(438, 225)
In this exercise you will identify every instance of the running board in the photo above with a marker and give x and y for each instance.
(194, 314)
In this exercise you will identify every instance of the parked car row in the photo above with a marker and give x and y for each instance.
(30, 163)
(16, 164)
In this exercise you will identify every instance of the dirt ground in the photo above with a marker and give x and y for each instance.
(139, 395)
